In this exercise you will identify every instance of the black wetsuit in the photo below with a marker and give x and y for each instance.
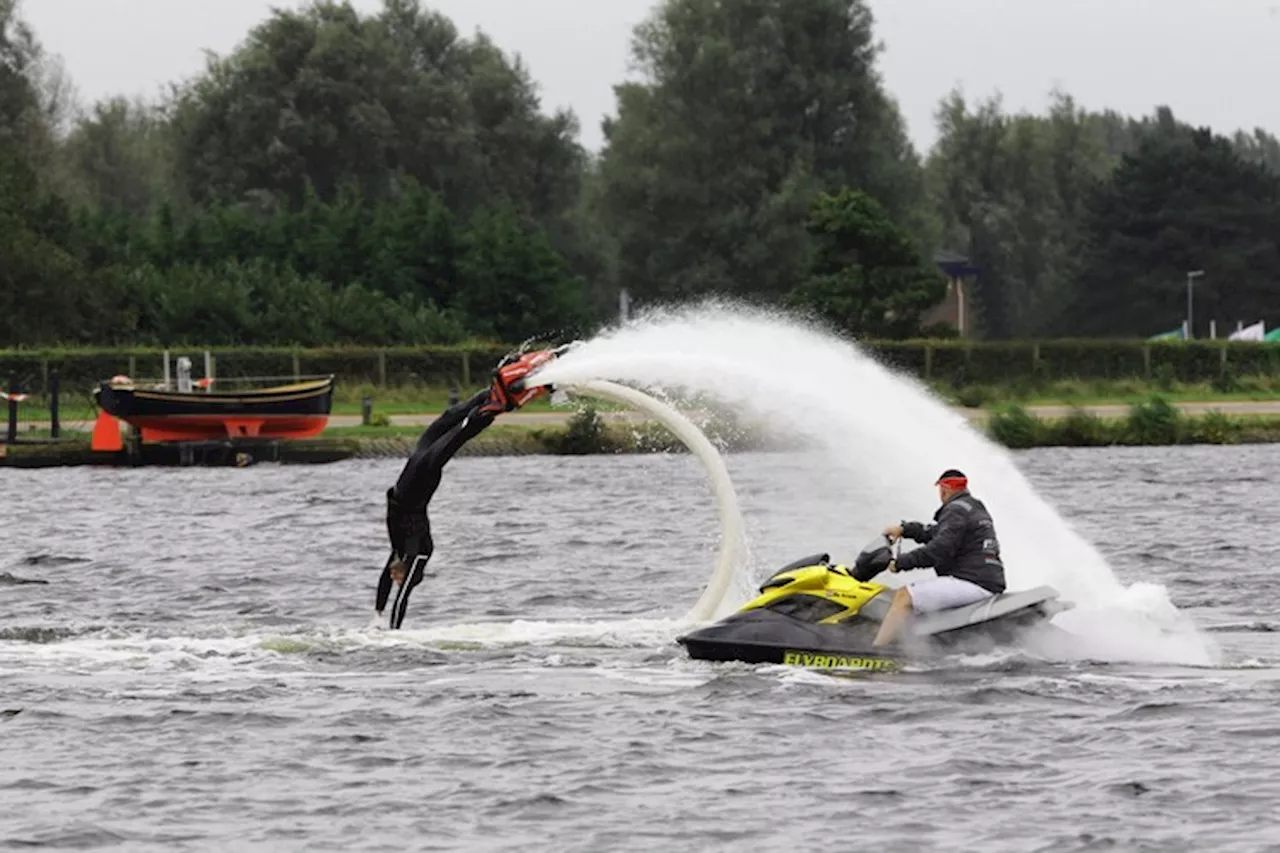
(407, 523)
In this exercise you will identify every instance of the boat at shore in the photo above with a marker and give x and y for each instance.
(296, 410)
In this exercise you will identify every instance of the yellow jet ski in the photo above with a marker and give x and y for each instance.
(816, 614)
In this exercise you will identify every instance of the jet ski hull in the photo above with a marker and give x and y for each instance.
(764, 635)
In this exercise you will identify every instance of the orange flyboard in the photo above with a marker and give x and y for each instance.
(106, 434)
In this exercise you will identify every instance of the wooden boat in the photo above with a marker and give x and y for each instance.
(300, 410)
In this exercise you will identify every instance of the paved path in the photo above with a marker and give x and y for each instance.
(1111, 410)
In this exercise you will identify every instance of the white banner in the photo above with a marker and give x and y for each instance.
(1256, 332)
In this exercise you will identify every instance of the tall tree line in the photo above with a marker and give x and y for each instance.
(343, 177)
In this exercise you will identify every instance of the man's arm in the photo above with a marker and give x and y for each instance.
(944, 539)
(917, 532)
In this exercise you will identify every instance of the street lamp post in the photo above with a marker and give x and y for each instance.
(1191, 276)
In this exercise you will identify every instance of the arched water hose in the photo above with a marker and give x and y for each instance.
(732, 548)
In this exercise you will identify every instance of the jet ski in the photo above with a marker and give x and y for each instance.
(815, 614)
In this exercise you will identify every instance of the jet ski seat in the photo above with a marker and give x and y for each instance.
(1042, 599)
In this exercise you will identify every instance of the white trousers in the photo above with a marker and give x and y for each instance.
(944, 593)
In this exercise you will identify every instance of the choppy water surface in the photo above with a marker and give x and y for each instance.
(199, 672)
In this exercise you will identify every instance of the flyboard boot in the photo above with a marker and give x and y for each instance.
(509, 390)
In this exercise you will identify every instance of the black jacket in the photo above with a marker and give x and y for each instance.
(962, 543)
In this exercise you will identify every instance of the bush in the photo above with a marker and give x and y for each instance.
(1212, 428)
(585, 433)
(1153, 422)
(1226, 382)
(1081, 429)
(940, 330)
(1016, 428)
(973, 396)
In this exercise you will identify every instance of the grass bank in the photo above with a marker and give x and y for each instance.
(1152, 422)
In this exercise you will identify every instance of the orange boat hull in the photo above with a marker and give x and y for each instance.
(207, 427)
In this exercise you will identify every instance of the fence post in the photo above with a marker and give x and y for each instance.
(13, 411)
(928, 362)
(55, 388)
(133, 367)
(466, 368)
(1146, 360)
(382, 368)
(297, 367)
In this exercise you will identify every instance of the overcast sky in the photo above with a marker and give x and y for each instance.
(1215, 62)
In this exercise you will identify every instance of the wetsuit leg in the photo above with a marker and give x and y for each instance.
(384, 584)
(451, 417)
(407, 522)
(416, 573)
(446, 435)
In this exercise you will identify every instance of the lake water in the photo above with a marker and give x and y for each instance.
(200, 672)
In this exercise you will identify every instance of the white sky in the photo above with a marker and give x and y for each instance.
(1215, 62)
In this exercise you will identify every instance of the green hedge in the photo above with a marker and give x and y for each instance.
(957, 362)
(84, 369)
(1001, 362)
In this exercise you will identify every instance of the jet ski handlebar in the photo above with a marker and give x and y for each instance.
(874, 558)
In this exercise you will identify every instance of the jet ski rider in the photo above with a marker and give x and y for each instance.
(407, 523)
(961, 547)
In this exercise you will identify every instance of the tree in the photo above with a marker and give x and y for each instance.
(18, 54)
(1258, 147)
(322, 97)
(41, 283)
(1183, 200)
(1010, 193)
(746, 111)
(513, 284)
(868, 278)
(36, 96)
(120, 157)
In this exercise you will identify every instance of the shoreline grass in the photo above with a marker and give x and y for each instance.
(1154, 422)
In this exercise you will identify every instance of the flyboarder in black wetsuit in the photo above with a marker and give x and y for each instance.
(407, 523)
